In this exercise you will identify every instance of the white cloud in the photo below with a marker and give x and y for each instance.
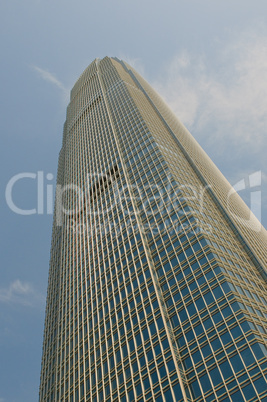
(225, 97)
(20, 293)
(49, 77)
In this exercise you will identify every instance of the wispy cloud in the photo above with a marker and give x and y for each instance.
(226, 96)
(20, 293)
(49, 77)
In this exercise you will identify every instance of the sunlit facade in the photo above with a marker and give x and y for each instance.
(157, 283)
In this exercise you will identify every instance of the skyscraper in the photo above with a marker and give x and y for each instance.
(158, 270)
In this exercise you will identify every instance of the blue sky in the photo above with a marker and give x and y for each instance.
(208, 59)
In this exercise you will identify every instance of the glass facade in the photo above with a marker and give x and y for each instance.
(157, 279)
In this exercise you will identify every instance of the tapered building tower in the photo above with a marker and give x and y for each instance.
(157, 279)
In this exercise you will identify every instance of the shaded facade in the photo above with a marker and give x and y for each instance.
(157, 278)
